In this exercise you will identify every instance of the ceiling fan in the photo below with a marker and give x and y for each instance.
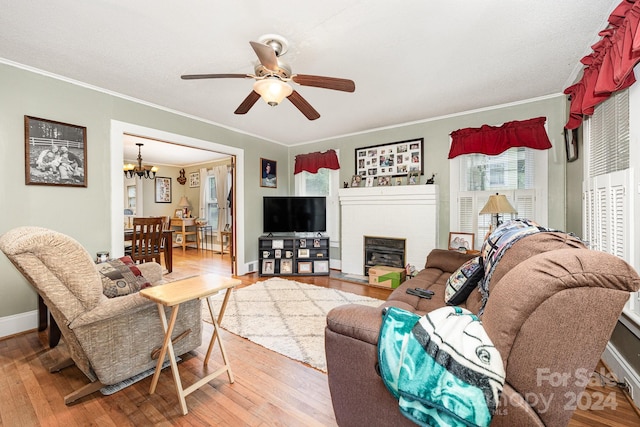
(272, 77)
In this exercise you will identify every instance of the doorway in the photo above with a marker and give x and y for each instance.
(118, 131)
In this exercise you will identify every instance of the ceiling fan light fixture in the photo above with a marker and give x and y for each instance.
(272, 90)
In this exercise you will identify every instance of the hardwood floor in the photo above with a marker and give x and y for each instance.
(269, 390)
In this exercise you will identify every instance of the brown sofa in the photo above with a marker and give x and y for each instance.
(552, 307)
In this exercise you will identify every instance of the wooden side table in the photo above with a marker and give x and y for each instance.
(172, 295)
(229, 235)
(181, 224)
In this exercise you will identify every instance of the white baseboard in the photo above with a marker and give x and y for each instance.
(621, 370)
(11, 325)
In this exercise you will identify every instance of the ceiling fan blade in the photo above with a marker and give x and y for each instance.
(248, 102)
(266, 55)
(302, 105)
(334, 83)
(213, 76)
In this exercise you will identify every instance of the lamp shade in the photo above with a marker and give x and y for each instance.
(184, 203)
(497, 204)
(272, 90)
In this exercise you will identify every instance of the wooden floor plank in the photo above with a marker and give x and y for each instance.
(270, 389)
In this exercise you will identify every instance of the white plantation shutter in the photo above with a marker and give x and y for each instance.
(607, 195)
(607, 214)
(525, 203)
(466, 209)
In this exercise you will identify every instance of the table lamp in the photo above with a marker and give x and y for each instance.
(496, 205)
(184, 204)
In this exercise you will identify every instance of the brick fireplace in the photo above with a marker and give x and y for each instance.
(408, 213)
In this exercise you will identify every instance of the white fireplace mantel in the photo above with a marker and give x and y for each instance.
(405, 212)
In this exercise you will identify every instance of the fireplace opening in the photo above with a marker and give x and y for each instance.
(386, 251)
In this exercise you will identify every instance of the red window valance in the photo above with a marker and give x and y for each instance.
(493, 140)
(313, 161)
(609, 68)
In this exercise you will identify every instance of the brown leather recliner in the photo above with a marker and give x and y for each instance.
(552, 307)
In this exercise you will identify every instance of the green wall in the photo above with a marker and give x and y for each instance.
(436, 140)
(86, 214)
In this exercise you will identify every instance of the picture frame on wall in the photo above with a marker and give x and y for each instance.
(194, 179)
(163, 190)
(571, 144)
(268, 173)
(392, 159)
(55, 153)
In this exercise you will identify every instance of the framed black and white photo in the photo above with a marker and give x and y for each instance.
(55, 153)
(163, 190)
(394, 159)
(194, 179)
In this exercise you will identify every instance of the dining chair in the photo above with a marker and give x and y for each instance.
(147, 242)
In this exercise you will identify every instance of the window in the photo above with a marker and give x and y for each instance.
(607, 198)
(323, 183)
(212, 202)
(519, 173)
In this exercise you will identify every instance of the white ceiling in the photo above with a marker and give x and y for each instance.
(159, 153)
(411, 60)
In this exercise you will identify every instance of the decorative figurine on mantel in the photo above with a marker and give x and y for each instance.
(431, 180)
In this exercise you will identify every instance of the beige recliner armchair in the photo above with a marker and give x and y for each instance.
(109, 339)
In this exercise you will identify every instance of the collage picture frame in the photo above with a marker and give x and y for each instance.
(390, 160)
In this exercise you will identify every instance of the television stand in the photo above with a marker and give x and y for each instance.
(305, 254)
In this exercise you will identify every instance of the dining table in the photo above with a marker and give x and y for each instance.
(167, 236)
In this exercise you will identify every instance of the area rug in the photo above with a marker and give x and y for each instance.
(285, 316)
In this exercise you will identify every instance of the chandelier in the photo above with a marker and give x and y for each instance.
(141, 171)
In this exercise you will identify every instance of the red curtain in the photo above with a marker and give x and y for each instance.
(609, 68)
(493, 140)
(313, 161)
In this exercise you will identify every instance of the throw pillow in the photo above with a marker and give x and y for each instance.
(463, 281)
(121, 277)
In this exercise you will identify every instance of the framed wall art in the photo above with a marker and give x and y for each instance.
(163, 190)
(571, 144)
(268, 173)
(194, 179)
(55, 153)
(394, 159)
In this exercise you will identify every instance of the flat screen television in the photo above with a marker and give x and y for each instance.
(288, 214)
